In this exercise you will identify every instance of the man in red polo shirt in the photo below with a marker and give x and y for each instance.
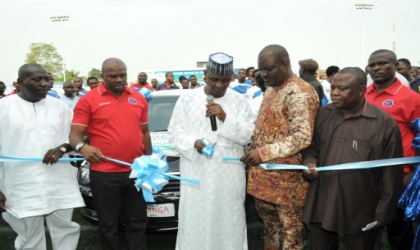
(142, 77)
(402, 104)
(114, 117)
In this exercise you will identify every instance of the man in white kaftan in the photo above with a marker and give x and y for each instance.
(212, 215)
(36, 125)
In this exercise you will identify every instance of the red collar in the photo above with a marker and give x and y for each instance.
(138, 85)
(166, 84)
(392, 90)
(102, 90)
(12, 93)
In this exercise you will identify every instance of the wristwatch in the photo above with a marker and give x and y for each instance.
(63, 149)
(79, 146)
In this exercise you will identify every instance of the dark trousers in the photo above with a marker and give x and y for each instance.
(322, 239)
(400, 232)
(112, 193)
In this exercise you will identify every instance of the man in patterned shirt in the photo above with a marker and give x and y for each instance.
(283, 128)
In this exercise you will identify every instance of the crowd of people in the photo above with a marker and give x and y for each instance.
(266, 115)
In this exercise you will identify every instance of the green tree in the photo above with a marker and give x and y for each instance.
(71, 74)
(46, 55)
(95, 72)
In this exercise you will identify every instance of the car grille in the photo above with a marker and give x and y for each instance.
(172, 186)
(161, 224)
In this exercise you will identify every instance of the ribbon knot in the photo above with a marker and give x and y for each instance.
(208, 149)
(150, 172)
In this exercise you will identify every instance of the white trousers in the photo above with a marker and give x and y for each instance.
(31, 232)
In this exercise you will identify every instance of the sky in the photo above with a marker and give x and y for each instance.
(174, 34)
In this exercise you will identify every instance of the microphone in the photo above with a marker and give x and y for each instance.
(210, 99)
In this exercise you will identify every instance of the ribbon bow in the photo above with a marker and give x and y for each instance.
(150, 172)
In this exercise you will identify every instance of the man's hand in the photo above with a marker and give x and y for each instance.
(52, 156)
(2, 202)
(215, 109)
(199, 146)
(252, 158)
(91, 154)
(377, 225)
(311, 174)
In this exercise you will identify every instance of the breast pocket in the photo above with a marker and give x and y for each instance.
(102, 115)
(357, 150)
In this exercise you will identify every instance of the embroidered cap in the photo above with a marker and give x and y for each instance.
(220, 64)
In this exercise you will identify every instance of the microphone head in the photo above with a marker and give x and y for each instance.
(210, 99)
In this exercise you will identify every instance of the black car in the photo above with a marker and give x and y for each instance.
(163, 214)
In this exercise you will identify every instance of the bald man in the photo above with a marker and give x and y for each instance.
(142, 83)
(119, 135)
(35, 193)
(284, 127)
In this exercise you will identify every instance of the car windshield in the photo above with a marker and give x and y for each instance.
(160, 112)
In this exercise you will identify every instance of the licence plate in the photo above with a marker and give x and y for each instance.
(160, 210)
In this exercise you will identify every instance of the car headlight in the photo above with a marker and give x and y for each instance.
(83, 176)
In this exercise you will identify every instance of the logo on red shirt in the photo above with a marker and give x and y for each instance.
(132, 100)
(388, 103)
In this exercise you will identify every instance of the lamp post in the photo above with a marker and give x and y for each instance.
(363, 7)
(61, 19)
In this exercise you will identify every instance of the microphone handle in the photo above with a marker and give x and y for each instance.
(213, 123)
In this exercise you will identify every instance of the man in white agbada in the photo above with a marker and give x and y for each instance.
(32, 193)
(212, 215)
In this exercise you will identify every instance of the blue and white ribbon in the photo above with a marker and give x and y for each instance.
(208, 149)
(150, 171)
(346, 166)
(35, 159)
